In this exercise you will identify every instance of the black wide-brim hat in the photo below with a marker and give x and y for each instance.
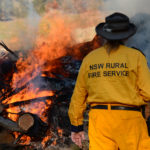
(116, 27)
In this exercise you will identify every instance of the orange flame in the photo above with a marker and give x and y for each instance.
(60, 132)
(55, 35)
(49, 46)
(36, 107)
(24, 140)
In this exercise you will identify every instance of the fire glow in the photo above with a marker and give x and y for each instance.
(51, 43)
(38, 61)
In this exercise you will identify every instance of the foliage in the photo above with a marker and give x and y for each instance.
(39, 5)
(13, 8)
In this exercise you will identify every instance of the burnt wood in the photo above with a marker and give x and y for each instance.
(9, 50)
(10, 125)
(15, 147)
(25, 102)
(61, 80)
(6, 137)
(37, 128)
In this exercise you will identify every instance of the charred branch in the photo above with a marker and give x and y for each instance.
(10, 125)
(61, 80)
(18, 138)
(11, 92)
(1, 108)
(29, 124)
(9, 50)
(25, 102)
(6, 137)
(46, 83)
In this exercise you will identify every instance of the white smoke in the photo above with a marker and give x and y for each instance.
(129, 7)
(22, 23)
(32, 22)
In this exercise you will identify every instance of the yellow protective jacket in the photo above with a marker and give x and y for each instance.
(121, 77)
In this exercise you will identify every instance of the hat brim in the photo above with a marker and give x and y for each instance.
(115, 35)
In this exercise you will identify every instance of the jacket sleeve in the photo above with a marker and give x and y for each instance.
(143, 80)
(78, 101)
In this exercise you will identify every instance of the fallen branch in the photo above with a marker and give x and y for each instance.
(25, 102)
(28, 123)
(10, 125)
(7, 49)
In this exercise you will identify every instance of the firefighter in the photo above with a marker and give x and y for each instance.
(115, 81)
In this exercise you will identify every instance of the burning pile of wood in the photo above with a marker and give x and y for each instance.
(59, 81)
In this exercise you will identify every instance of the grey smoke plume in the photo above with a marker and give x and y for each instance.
(32, 22)
(139, 12)
(79, 6)
(23, 12)
(141, 39)
(5, 13)
(129, 7)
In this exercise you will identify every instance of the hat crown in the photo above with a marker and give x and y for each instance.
(116, 27)
(116, 22)
(116, 18)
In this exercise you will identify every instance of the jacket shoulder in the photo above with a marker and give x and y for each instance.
(139, 50)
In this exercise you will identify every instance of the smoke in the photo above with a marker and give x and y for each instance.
(139, 14)
(6, 12)
(86, 14)
(141, 39)
(25, 18)
(128, 7)
(32, 20)
(18, 24)
(79, 6)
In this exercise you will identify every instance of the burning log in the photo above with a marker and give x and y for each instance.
(10, 125)
(11, 92)
(48, 84)
(28, 124)
(61, 80)
(25, 122)
(25, 102)
(32, 125)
